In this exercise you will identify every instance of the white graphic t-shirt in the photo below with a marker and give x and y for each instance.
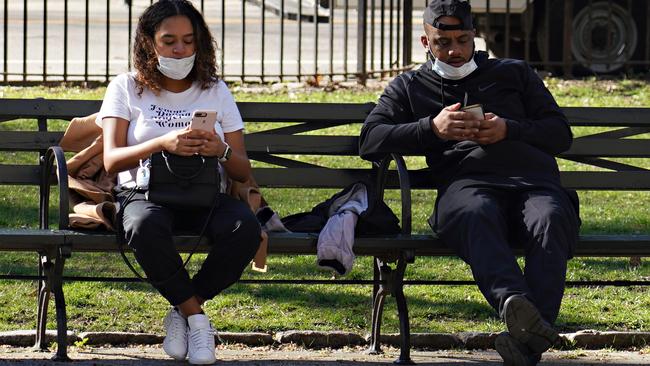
(151, 115)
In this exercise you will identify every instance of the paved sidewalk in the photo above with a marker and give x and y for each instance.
(292, 355)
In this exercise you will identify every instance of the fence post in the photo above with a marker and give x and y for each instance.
(568, 35)
(407, 16)
(362, 13)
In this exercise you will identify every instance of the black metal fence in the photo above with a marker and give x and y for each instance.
(319, 40)
(259, 40)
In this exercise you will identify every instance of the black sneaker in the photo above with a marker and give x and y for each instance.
(513, 352)
(526, 325)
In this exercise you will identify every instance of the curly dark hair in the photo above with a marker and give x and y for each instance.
(145, 59)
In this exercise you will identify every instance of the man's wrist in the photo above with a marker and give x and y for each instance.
(434, 128)
(512, 129)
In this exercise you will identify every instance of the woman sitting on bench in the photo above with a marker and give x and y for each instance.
(149, 111)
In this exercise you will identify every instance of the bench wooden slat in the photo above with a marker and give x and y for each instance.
(310, 177)
(309, 145)
(20, 174)
(28, 140)
(632, 180)
(633, 148)
(605, 181)
(279, 243)
(29, 239)
(606, 116)
(304, 112)
(596, 245)
(50, 108)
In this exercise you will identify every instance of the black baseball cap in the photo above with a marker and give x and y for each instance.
(451, 8)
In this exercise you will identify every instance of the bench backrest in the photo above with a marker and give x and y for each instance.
(295, 135)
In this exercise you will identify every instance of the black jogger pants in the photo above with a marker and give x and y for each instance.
(234, 234)
(483, 223)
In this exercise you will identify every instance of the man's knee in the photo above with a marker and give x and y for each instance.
(553, 229)
(553, 221)
(472, 227)
(478, 213)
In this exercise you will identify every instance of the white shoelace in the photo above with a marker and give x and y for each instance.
(177, 326)
(201, 337)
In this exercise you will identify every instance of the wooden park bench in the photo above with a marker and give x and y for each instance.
(280, 149)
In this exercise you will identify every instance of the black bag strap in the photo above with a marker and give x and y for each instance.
(121, 239)
(180, 176)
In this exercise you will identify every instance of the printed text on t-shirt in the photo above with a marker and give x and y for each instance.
(169, 118)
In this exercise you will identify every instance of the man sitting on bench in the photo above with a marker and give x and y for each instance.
(498, 181)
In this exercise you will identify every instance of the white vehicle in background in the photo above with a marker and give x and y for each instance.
(606, 34)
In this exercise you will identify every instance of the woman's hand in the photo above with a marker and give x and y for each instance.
(212, 144)
(188, 142)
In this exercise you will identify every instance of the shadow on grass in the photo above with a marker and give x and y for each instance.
(445, 308)
(599, 265)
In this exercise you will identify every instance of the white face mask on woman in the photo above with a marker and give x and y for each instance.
(176, 68)
(449, 72)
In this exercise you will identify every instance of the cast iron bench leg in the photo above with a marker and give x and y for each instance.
(59, 301)
(43, 301)
(56, 282)
(379, 293)
(392, 281)
(396, 285)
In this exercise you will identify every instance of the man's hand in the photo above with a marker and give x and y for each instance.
(492, 129)
(453, 124)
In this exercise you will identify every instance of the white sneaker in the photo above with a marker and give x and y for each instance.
(175, 343)
(200, 341)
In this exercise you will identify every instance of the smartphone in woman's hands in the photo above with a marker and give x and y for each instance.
(203, 120)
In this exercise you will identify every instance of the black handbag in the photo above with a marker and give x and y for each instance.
(184, 182)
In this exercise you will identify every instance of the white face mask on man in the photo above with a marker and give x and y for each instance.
(176, 68)
(449, 72)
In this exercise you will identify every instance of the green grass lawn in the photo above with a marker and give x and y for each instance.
(247, 307)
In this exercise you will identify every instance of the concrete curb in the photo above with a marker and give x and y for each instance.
(320, 339)
(250, 339)
(585, 339)
(591, 339)
(26, 338)
(119, 338)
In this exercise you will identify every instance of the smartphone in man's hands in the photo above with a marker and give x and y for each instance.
(476, 110)
(203, 120)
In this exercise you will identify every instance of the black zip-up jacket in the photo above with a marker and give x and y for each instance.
(537, 130)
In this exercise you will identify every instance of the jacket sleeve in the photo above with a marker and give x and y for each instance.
(546, 126)
(391, 127)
